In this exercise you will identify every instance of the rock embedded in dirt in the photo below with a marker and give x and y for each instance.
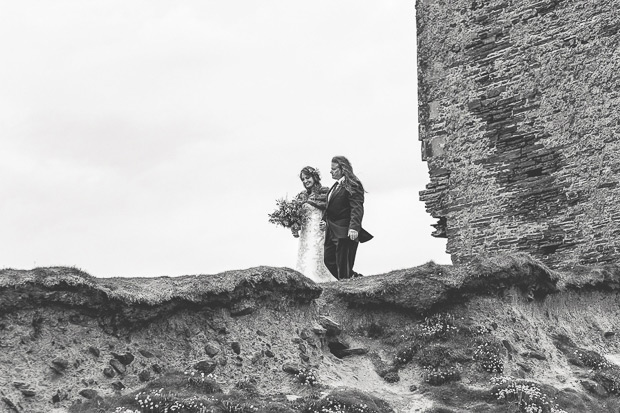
(10, 404)
(60, 395)
(314, 342)
(236, 347)
(534, 355)
(219, 326)
(291, 368)
(212, 349)
(118, 366)
(89, 382)
(156, 368)
(609, 334)
(330, 325)
(60, 363)
(269, 353)
(109, 372)
(118, 385)
(146, 353)
(28, 392)
(256, 357)
(206, 366)
(144, 375)
(126, 358)
(94, 351)
(88, 393)
(508, 346)
(525, 367)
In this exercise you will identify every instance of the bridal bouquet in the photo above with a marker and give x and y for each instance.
(288, 214)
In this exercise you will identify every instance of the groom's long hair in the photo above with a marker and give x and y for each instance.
(350, 180)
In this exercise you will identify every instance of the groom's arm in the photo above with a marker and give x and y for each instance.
(356, 200)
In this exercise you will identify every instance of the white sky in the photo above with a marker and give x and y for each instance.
(147, 138)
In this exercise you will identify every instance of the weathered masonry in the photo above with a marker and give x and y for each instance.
(519, 107)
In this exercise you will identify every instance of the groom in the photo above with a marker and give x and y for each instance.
(342, 220)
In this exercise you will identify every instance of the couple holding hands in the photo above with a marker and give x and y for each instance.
(332, 229)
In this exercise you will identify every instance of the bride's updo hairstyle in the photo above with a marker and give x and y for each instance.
(314, 173)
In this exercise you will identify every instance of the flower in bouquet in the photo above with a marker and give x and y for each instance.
(288, 214)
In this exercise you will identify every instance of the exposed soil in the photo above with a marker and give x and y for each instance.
(422, 340)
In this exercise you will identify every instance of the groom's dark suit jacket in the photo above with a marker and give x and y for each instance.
(345, 211)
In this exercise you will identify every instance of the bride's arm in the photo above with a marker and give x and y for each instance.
(301, 197)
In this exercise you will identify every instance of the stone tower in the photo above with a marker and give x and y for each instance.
(519, 108)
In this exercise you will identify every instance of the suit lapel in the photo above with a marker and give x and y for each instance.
(331, 192)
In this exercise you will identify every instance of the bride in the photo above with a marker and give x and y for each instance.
(311, 238)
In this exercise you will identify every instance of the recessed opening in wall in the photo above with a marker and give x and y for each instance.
(440, 228)
(534, 172)
(547, 249)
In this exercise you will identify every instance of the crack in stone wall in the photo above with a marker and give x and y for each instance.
(520, 128)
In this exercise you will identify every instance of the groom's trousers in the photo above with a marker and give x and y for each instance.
(339, 256)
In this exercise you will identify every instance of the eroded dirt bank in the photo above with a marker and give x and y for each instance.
(431, 338)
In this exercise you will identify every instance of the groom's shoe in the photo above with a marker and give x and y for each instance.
(356, 275)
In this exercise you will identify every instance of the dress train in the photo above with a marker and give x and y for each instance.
(310, 254)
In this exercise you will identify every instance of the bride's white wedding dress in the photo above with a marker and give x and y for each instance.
(311, 239)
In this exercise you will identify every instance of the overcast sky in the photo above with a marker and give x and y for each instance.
(147, 138)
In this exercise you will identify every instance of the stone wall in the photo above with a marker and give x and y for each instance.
(520, 126)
